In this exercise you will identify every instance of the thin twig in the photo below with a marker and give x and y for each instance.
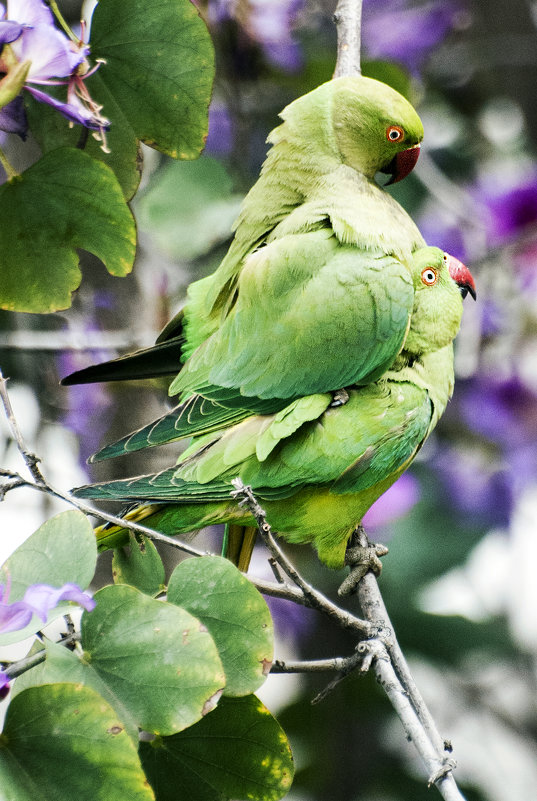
(383, 655)
(336, 663)
(30, 459)
(19, 667)
(43, 486)
(313, 598)
(348, 19)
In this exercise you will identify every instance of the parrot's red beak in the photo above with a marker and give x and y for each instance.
(402, 164)
(461, 275)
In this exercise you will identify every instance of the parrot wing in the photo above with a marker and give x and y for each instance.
(195, 416)
(310, 315)
(374, 435)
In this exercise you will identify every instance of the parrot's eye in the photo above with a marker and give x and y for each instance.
(395, 133)
(429, 276)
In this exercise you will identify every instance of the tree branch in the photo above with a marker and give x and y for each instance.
(312, 597)
(381, 652)
(14, 669)
(30, 459)
(348, 19)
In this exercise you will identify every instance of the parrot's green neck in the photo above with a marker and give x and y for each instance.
(432, 372)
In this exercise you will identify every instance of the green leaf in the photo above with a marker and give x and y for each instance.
(63, 665)
(236, 615)
(52, 131)
(190, 209)
(158, 660)
(65, 201)
(159, 70)
(239, 751)
(63, 741)
(140, 565)
(47, 558)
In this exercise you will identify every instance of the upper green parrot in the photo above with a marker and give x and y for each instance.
(315, 467)
(316, 238)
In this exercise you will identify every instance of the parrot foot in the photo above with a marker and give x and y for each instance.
(339, 398)
(361, 558)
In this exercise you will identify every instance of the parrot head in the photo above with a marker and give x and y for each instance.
(376, 128)
(357, 121)
(440, 283)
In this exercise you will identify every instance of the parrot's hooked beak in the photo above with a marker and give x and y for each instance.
(402, 164)
(461, 275)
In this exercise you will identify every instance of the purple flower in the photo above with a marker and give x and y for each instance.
(52, 54)
(38, 600)
(396, 502)
(396, 30)
(30, 37)
(445, 232)
(477, 486)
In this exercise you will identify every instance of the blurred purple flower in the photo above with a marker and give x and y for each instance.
(396, 502)
(476, 486)
(38, 600)
(400, 31)
(511, 206)
(291, 621)
(88, 405)
(268, 22)
(28, 28)
(220, 139)
(484, 480)
(502, 410)
(13, 118)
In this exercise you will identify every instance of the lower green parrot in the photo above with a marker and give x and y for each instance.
(315, 465)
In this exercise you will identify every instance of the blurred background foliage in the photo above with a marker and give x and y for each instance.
(459, 580)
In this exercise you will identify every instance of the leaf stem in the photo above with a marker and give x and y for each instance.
(10, 171)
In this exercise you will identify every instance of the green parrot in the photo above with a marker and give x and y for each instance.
(315, 466)
(276, 318)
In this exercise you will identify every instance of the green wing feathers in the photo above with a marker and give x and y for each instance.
(316, 303)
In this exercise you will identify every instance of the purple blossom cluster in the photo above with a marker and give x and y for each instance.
(35, 53)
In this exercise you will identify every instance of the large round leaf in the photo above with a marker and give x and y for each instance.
(154, 87)
(63, 665)
(65, 201)
(47, 558)
(237, 616)
(123, 151)
(160, 662)
(239, 751)
(159, 70)
(63, 741)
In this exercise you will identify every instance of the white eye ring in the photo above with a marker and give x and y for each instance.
(429, 276)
